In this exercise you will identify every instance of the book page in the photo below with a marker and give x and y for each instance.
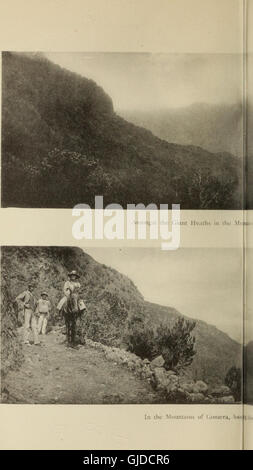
(138, 102)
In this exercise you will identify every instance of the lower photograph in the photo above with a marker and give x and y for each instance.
(121, 325)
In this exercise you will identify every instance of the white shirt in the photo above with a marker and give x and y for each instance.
(43, 306)
(71, 286)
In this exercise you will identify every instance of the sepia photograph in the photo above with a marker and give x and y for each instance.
(132, 127)
(126, 161)
(121, 326)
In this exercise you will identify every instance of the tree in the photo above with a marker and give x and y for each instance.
(140, 338)
(176, 344)
(233, 380)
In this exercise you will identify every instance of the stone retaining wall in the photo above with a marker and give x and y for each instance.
(176, 388)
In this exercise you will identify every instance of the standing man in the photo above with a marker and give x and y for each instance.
(31, 319)
(43, 309)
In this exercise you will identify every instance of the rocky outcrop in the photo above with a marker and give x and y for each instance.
(157, 362)
(221, 391)
(176, 388)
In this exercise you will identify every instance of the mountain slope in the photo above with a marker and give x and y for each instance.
(216, 128)
(62, 144)
(248, 355)
(11, 350)
(112, 300)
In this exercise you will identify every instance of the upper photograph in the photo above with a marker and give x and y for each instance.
(135, 128)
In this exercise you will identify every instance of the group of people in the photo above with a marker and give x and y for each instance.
(38, 312)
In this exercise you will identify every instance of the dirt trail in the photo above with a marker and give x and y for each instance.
(53, 373)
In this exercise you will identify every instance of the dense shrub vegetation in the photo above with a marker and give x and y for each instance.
(233, 380)
(175, 343)
(248, 373)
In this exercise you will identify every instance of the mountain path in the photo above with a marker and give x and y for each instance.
(54, 373)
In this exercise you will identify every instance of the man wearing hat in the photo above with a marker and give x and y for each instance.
(30, 320)
(43, 310)
(72, 285)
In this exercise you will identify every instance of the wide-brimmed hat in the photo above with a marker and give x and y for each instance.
(73, 273)
(44, 293)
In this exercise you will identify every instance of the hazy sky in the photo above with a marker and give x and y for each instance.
(145, 81)
(202, 283)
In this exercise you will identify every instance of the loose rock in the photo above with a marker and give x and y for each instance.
(157, 362)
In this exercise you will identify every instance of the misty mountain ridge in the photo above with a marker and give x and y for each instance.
(63, 143)
(214, 127)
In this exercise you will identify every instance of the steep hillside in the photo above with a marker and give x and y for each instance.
(112, 300)
(62, 144)
(11, 350)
